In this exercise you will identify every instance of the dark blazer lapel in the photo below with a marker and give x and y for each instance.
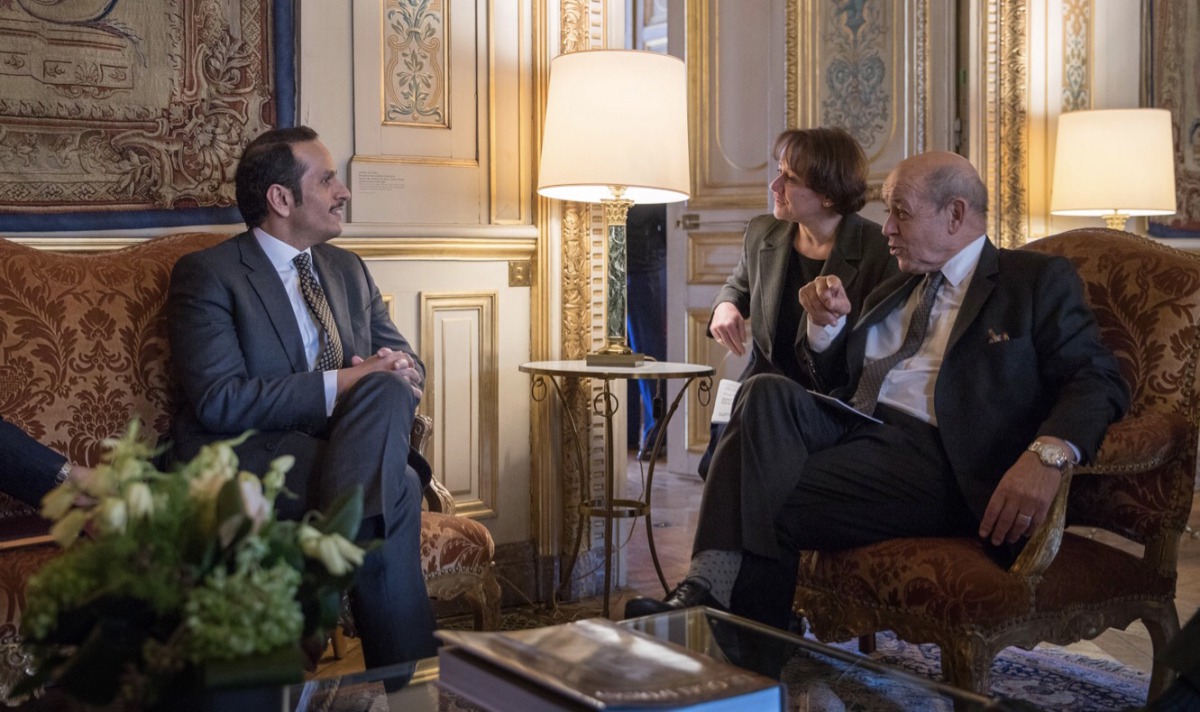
(334, 284)
(886, 297)
(847, 250)
(882, 300)
(977, 294)
(265, 281)
(772, 271)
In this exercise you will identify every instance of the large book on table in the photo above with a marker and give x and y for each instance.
(595, 664)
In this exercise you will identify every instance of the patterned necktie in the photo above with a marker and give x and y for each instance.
(873, 374)
(330, 357)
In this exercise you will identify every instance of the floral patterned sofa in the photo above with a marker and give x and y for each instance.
(83, 348)
(1067, 585)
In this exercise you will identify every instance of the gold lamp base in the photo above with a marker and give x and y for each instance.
(616, 354)
(1116, 221)
(603, 359)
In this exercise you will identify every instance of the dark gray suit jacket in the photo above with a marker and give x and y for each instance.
(237, 350)
(1048, 374)
(859, 257)
(30, 468)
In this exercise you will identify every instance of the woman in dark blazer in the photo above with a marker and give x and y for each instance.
(815, 230)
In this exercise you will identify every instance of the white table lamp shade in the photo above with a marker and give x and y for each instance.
(616, 118)
(1118, 161)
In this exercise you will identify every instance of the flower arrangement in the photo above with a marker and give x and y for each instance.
(183, 576)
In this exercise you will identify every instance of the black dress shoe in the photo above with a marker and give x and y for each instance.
(690, 592)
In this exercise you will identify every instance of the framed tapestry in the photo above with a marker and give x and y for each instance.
(126, 113)
(1170, 65)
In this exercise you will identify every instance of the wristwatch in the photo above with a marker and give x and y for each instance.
(1050, 454)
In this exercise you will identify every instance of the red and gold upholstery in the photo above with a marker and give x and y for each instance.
(83, 349)
(1065, 586)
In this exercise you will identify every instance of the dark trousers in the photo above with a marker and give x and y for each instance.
(367, 444)
(793, 473)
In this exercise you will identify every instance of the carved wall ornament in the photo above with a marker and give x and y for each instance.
(415, 63)
(1077, 48)
(856, 77)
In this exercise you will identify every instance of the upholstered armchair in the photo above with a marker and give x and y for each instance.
(83, 348)
(1066, 586)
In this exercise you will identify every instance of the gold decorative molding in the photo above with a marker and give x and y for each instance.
(474, 249)
(480, 249)
(1007, 145)
(712, 256)
(459, 335)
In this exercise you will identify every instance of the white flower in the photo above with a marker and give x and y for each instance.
(255, 506)
(139, 500)
(339, 555)
(111, 515)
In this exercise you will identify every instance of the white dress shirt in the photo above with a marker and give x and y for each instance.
(909, 386)
(281, 255)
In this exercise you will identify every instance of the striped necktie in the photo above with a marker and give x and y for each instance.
(874, 373)
(330, 357)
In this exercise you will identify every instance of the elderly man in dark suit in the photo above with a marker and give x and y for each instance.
(984, 368)
(276, 331)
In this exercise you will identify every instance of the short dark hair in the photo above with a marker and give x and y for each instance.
(830, 162)
(268, 160)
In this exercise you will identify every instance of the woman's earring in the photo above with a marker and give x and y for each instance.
(827, 204)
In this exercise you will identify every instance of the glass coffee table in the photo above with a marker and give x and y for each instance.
(818, 676)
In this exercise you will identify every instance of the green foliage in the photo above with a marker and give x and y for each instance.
(197, 573)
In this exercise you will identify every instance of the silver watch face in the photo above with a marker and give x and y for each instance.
(1050, 454)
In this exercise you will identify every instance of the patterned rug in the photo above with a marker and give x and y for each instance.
(1045, 678)
(1048, 678)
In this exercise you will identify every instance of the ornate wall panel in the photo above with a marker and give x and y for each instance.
(442, 109)
(731, 122)
(458, 346)
(711, 256)
(416, 83)
(867, 67)
(1077, 49)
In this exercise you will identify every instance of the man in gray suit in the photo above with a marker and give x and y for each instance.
(276, 331)
(986, 371)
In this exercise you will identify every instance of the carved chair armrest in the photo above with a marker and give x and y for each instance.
(437, 497)
(1131, 446)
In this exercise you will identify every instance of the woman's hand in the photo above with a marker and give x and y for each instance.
(729, 328)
